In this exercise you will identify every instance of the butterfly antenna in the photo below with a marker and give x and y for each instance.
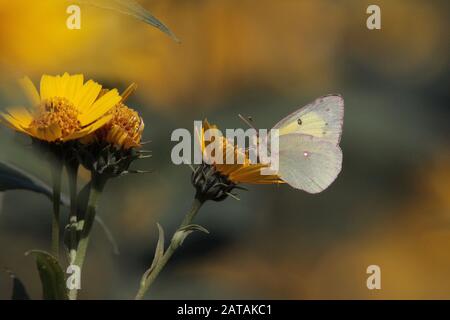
(247, 121)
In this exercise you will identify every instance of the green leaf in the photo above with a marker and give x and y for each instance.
(52, 276)
(134, 9)
(19, 291)
(159, 252)
(184, 232)
(13, 178)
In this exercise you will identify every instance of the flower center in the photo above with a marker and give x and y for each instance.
(57, 111)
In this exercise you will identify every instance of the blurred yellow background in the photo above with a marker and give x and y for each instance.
(390, 206)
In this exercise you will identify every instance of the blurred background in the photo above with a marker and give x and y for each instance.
(390, 205)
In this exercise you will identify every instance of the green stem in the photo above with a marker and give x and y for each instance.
(174, 245)
(56, 177)
(97, 186)
(72, 172)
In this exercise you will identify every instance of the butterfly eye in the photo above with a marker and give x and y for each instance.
(300, 122)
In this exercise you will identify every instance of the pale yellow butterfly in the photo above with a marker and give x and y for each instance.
(310, 158)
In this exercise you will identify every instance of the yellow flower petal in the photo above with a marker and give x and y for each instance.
(61, 85)
(12, 123)
(74, 84)
(48, 87)
(30, 91)
(50, 133)
(100, 107)
(89, 129)
(119, 137)
(21, 115)
(87, 95)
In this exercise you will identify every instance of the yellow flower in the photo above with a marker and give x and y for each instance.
(65, 109)
(125, 127)
(246, 172)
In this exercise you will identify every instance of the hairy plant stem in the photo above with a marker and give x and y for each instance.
(97, 186)
(56, 179)
(72, 172)
(174, 245)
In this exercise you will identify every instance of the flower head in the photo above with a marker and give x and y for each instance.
(124, 129)
(246, 172)
(109, 151)
(65, 109)
(215, 181)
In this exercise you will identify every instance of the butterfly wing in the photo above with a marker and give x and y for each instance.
(308, 163)
(322, 119)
